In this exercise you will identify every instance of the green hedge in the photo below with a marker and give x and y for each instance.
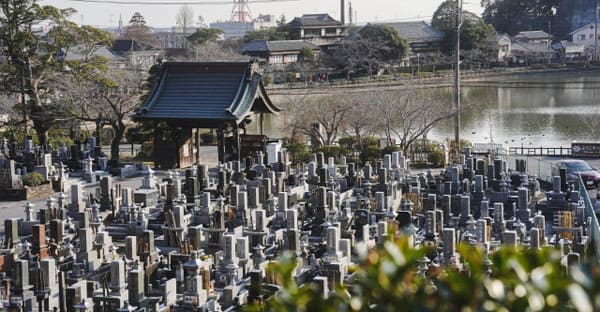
(390, 278)
(298, 152)
(370, 154)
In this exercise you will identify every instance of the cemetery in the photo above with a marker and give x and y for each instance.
(191, 237)
(202, 240)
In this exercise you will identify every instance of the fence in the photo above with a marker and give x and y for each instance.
(420, 154)
(592, 218)
(124, 149)
(540, 151)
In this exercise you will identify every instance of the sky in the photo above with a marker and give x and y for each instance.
(107, 14)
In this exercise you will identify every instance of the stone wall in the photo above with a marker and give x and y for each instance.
(28, 193)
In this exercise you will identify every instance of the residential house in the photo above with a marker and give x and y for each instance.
(139, 56)
(525, 53)
(571, 51)
(421, 37)
(115, 61)
(504, 47)
(536, 36)
(531, 47)
(278, 52)
(586, 36)
(319, 29)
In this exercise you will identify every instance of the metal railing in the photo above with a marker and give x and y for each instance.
(543, 170)
(540, 151)
(592, 218)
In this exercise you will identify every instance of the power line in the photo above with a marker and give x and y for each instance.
(173, 3)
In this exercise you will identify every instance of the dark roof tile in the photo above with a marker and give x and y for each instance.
(197, 92)
(313, 20)
(417, 31)
(277, 46)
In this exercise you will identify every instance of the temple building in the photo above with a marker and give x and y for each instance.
(224, 96)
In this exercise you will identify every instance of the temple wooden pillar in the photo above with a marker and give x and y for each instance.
(237, 143)
(221, 144)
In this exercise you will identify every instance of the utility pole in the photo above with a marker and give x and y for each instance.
(596, 32)
(459, 4)
(549, 41)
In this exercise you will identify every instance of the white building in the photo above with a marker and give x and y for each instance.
(586, 36)
(239, 29)
(504, 47)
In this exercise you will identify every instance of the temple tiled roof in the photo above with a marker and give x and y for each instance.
(206, 94)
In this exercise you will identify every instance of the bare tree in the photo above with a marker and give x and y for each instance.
(408, 115)
(106, 100)
(361, 121)
(329, 113)
(214, 51)
(185, 18)
(591, 121)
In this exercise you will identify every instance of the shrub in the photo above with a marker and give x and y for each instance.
(298, 151)
(463, 143)
(436, 158)
(347, 142)
(370, 141)
(390, 149)
(390, 276)
(60, 141)
(33, 179)
(370, 154)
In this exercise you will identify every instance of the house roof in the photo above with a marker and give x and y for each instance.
(417, 31)
(582, 28)
(277, 46)
(571, 47)
(530, 47)
(314, 20)
(206, 94)
(567, 43)
(535, 34)
(104, 51)
(503, 37)
(129, 45)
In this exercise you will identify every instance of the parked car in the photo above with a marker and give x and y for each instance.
(576, 167)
